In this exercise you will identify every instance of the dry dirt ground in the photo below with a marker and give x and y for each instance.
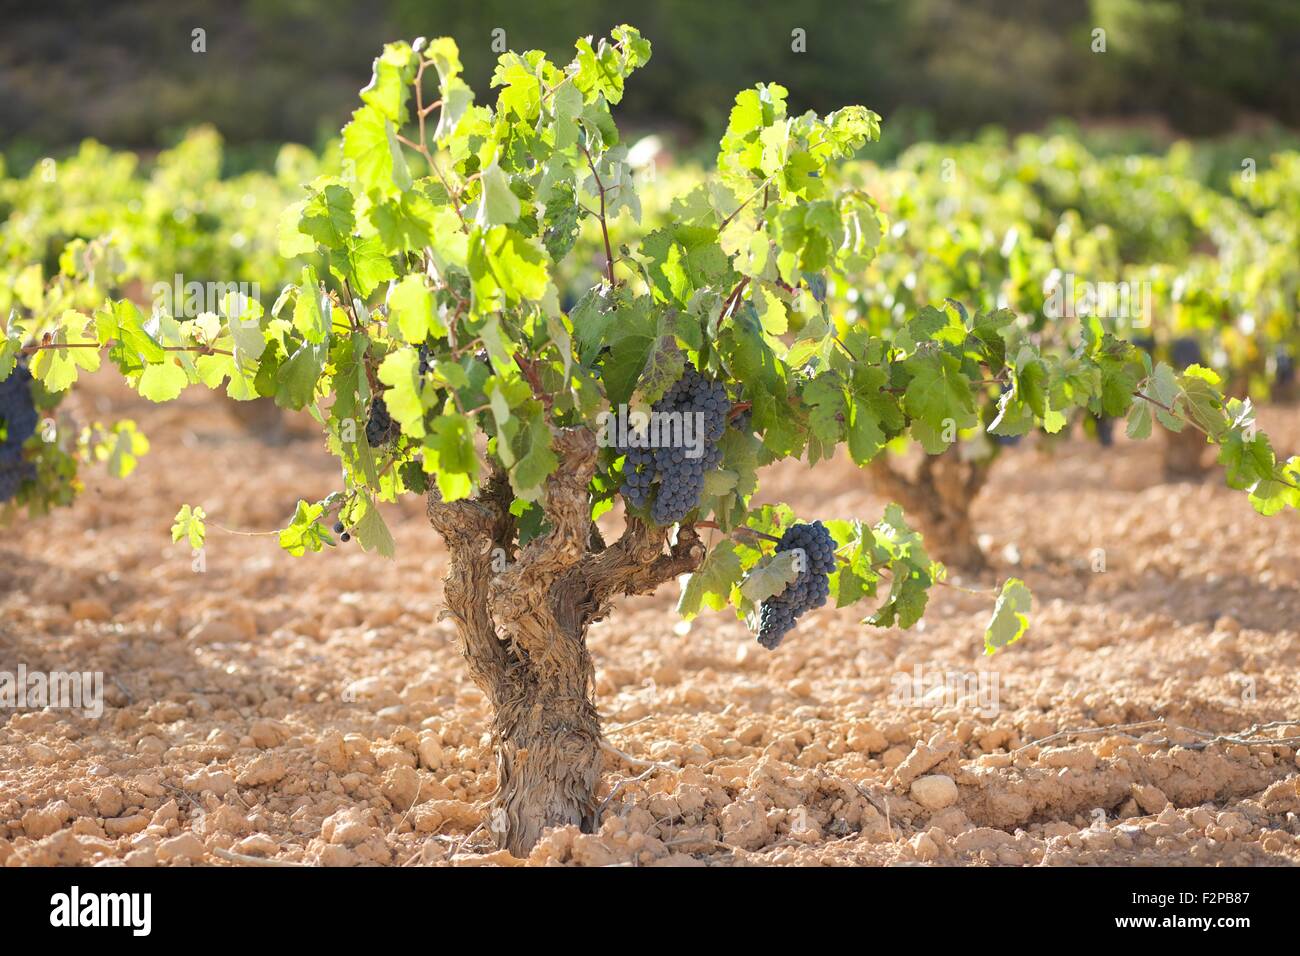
(315, 710)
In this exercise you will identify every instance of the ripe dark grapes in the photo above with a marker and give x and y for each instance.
(777, 615)
(338, 527)
(1185, 351)
(1285, 367)
(18, 420)
(380, 427)
(17, 412)
(669, 473)
(1105, 430)
(345, 536)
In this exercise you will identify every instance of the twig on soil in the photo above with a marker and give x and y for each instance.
(1246, 738)
(883, 809)
(604, 804)
(468, 836)
(186, 795)
(414, 801)
(635, 761)
(251, 860)
(633, 723)
(130, 698)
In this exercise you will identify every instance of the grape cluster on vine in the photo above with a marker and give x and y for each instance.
(380, 427)
(1185, 351)
(777, 615)
(18, 419)
(670, 472)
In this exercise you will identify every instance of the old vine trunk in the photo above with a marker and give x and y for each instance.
(522, 614)
(1184, 455)
(938, 497)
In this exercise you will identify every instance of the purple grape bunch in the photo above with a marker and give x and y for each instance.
(777, 615)
(18, 418)
(668, 477)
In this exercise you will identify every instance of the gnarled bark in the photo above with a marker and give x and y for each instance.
(523, 632)
(938, 500)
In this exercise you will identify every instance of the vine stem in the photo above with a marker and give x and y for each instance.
(604, 221)
(752, 196)
(1197, 425)
(422, 148)
(733, 299)
(529, 369)
(249, 534)
(713, 525)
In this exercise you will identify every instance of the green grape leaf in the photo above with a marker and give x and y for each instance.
(306, 532)
(400, 370)
(771, 576)
(410, 310)
(938, 399)
(370, 142)
(291, 241)
(535, 458)
(297, 376)
(663, 367)
(327, 216)
(1246, 461)
(711, 583)
(311, 310)
(449, 452)
(389, 84)
(369, 529)
(1010, 618)
(506, 267)
(364, 263)
(189, 526)
(498, 206)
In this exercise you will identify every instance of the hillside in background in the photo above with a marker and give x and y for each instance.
(126, 74)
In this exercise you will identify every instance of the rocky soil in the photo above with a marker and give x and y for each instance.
(264, 709)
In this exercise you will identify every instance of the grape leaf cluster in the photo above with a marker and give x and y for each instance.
(777, 615)
(669, 472)
(17, 423)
